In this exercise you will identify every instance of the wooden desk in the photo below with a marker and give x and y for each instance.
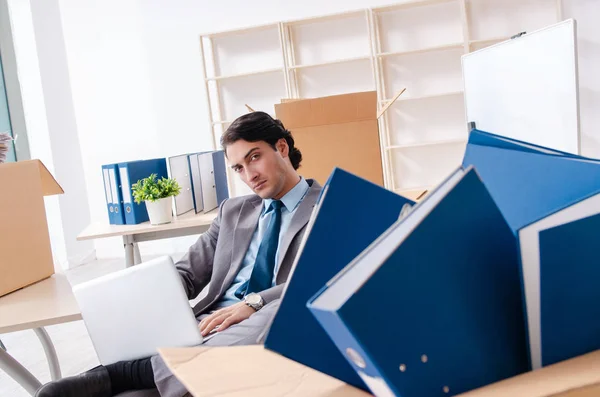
(183, 225)
(44, 303)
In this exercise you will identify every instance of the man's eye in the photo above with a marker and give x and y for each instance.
(254, 157)
(237, 170)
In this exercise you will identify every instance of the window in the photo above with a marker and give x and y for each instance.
(5, 125)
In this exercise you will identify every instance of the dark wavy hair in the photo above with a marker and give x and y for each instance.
(260, 126)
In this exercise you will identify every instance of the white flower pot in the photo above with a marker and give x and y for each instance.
(160, 211)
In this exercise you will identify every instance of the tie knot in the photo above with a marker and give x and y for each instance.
(276, 205)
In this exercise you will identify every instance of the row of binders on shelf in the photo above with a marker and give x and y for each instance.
(201, 176)
(494, 273)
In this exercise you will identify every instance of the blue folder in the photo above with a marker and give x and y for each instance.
(180, 170)
(433, 307)
(350, 214)
(478, 137)
(220, 169)
(209, 180)
(560, 256)
(527, 181)
(132, 172)
(220, 175)
(112, 191)
(570, 289)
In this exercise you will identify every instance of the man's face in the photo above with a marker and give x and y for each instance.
(259, 166)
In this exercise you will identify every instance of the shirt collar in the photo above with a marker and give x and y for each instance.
(292, 198)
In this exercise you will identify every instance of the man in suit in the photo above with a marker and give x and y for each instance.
(244, 258)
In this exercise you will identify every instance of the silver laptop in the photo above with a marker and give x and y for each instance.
(131, 313)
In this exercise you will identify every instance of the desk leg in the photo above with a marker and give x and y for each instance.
(137, 257)
(50, 353)
(19, 373)
(129, 255)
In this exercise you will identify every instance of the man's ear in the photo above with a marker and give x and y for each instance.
(282, 147)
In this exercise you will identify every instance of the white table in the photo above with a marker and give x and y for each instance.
(44, 303)
(183, 225)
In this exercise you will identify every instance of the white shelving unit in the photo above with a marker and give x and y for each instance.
(415, 45)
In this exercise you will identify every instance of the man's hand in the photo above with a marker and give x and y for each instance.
(226, 317)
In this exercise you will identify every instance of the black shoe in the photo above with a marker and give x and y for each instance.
(94, 383)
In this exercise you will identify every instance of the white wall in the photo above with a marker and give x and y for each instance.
(135, 71)
(112, 94)
(62, 128)
(587, 14)
(137, 81)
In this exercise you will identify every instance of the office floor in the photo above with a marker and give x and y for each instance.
(73, 346)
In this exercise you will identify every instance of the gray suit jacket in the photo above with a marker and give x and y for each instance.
(217, 255)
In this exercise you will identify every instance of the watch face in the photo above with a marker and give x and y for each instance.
(253, 299)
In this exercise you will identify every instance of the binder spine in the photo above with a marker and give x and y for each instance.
(108, 194)
(128, 204)
(220, 176)
(349, 346)
(119, 214)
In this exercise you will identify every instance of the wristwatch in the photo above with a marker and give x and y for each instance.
(254, 300)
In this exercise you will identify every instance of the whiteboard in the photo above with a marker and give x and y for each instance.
(526, 88)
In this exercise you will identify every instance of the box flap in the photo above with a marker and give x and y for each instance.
(208, 371)
(49, 185)
(336, 109)
(415, 195)
(578, 377)
(288, 100)
(390, 103)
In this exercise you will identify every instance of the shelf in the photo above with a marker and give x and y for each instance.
(435, 143)
(316, 65)
(410, 4)
(491, 40)
(240, 31)
(418, 98)
(325, 18)
(234, 76)
(413, 44)
(453, 46)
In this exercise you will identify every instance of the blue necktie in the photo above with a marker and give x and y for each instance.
(262, 273)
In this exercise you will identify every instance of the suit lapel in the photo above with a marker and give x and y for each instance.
(299, 220)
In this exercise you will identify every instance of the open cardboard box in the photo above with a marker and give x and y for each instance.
(337, 131)
(577, 377)
(25, 252)
(249, 371)
(253, 371)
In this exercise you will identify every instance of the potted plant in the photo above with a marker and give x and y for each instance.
(156, 193)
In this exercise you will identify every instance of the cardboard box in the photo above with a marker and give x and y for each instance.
(249, 371)
(578, 377)
(25, 252)
(208, 371)
(336, 131)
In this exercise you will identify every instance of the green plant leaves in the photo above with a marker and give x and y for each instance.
(152, 189)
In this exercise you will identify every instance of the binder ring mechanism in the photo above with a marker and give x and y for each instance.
(356, 358)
